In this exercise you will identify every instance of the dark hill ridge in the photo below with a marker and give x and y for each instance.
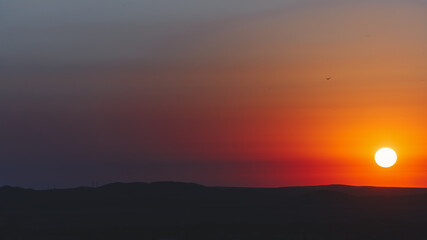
(174, 204)
(181, 186)
(139, 195)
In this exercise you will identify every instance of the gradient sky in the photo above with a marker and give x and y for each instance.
(221, 92)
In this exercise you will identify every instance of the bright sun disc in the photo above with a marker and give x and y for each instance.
(385, 157)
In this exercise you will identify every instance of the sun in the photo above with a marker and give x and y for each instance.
(385, 157)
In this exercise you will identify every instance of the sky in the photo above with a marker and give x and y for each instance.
(222, 93)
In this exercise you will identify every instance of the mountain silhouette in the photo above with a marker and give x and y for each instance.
(191, 211)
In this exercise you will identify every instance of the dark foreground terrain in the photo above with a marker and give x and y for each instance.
(168, 210)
